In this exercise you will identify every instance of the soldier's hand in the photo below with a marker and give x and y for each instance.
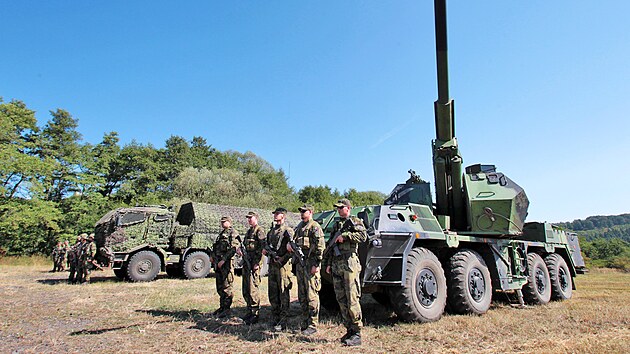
(339, 239)
(264, 251)
(239, 252)
(289, 248)
(220, 264)
(328, 269)
(256, 266)
(315, 270)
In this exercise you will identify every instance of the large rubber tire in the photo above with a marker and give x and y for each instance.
(197, 265)
(469, 284)
(537, 291)
(143, 266)
(560, 277)
(423, 296)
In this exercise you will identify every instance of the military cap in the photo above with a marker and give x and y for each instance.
(252, 213)
(280, 210)
(91, 237)
(306, 207)
(226, 218)
(342, 203)
(83, 236)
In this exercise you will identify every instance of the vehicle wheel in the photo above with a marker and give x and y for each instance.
(560, 277)
(328, 299)
(197, 265)
(143, 266)
(537, 291)
(174, 270)
(423, 296)
(120, 273)
(469, 284)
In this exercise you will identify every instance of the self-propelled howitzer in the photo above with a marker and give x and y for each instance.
(472, 241)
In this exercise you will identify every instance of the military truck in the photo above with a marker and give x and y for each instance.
(139, 242)
(422, 257)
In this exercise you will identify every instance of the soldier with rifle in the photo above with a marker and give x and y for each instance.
(223, 257)
(87, 259)
(251, 251)
(308, 248)
(279, 277)
(73, 260)
(345, 269)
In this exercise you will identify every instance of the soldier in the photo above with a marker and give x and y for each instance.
(223, 253)
(88, 254)
(345, 268)
(279, 277)
(75, 266)
(55, 257)
(253, 244)
(310, 239)
(66, 249)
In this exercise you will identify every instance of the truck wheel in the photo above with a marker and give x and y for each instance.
(423, 296)
(469, 285)
(197, 265)
(143, 266)
(560, 277)
(537, 291)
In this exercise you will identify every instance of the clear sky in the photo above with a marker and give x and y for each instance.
(341, 93)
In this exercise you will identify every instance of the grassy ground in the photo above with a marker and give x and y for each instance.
(39, 312)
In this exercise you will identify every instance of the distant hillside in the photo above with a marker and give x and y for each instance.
(601, 226)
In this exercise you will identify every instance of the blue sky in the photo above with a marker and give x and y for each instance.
(341, 93)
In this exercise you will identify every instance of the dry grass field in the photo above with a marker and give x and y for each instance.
(39, 312)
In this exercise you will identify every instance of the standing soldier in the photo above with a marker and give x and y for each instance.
(66, 249)
(79, 258)
(55, 257)
(88, 255)
(310, 239)
(345, 268)
(223, 253)
(279, 277)
(253, 245)
(73, 261)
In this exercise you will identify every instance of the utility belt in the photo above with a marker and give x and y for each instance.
(344, 255)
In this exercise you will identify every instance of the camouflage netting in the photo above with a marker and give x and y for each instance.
(206, 217)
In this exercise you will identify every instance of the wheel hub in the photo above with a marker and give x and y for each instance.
(476, 284)
(562, 276)
(198, 265)
(145, 266)
(426, 286)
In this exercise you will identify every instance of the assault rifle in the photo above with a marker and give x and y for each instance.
(244, 253)
(332, 245)
(297, 253)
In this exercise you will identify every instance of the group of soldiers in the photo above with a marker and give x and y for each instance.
(303, 248)
(80, 258)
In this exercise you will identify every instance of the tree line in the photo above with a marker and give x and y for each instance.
(54, 186)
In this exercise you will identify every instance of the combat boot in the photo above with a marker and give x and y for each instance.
(309, 331)
(346, 336)
(354, 340)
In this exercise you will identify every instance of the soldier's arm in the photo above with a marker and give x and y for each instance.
(285, 255)
(317, 245)
(259, 241)
(234, 244)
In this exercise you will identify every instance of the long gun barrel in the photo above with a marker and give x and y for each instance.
(447, 162)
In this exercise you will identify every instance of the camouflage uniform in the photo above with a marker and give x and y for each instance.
(223, 250)
(253, 244)
(345, 271)
(73, 261)
(279, 277)
(55, 258)
(309, 236)
(88, 252)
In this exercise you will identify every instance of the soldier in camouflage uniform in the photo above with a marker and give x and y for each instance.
(56, 253)
(88, 253)
(76, 275)
(279, 277)
(310, 238)
(223, 257)
(345, 270)
(72, 261)
(253, 244)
